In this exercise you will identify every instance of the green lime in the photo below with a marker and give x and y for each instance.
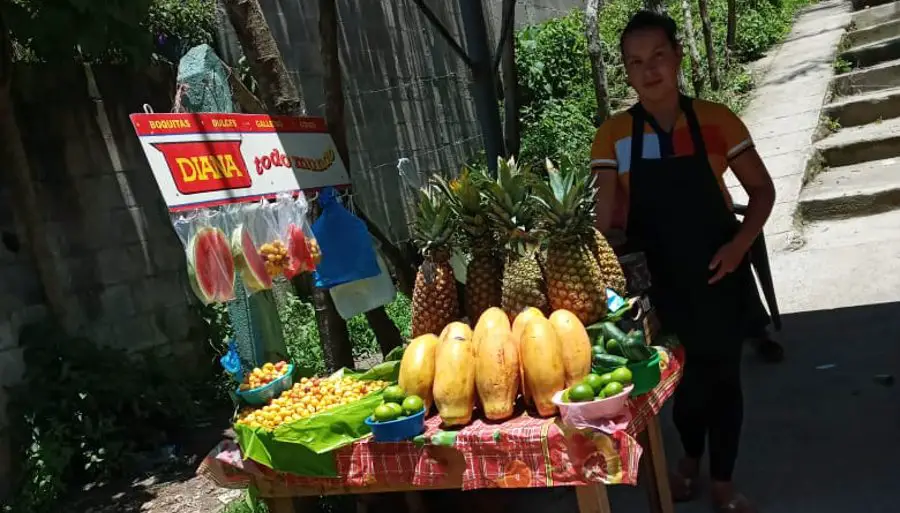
(605, 379)
(384, 413)
(413, 404)
(581, 392)
(396, 408)
(622, 375)
(594, 381)
(612, 389)
(394, 394)
(612, 347)
(565, 396)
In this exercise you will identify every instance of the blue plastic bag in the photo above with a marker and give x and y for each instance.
(347, 251)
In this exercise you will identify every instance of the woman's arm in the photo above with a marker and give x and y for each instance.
(606, 183)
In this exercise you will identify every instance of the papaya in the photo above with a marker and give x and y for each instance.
(417, 368)
(454, 375)
(575, 345)
(496, 365)
(542, 361)
(491, 319)
(518, 326)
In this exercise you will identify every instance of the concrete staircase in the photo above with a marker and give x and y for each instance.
(859, 160)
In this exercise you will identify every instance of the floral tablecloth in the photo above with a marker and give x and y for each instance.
(522, 452)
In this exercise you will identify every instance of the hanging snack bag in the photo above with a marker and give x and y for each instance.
(273, 247)
(303, 248)
(250, 225)
(209, 261)
(345, 243)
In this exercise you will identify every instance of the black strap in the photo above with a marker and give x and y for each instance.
(637, 133)
(687, 106)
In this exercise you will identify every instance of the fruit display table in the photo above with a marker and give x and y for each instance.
(523, 452)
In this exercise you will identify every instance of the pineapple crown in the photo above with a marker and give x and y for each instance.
(463, 194)
(511, 204)
(565, 201)
(434, 223)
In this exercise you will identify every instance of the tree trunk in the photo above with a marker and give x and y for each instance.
(731, 30)
(657, 6)
(24, 197)
(710, 50)
(510, 83)
(693, 53)
(385, 331)
(598, 67)
(280, 94)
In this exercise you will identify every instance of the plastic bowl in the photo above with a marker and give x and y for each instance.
(578, 413)
(398, 430)
(645, 375)
(267, 392)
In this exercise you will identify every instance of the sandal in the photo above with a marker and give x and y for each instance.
(738, 504)
(684, 489)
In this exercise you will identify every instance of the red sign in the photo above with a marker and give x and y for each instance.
(206, 166)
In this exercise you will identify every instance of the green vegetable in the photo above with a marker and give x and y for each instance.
(634, 348)
(396, 354)
(611, 331)
(607, 362)
(598, 349)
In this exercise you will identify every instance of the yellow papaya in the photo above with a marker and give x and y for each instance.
(417, 368)
(518, 326)
(575, 345)
(496, 365)
(542, 362)
(454, 375)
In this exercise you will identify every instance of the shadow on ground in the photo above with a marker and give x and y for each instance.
(820, 432)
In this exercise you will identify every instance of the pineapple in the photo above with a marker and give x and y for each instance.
(575, 280)
(511, 212)
(609, 263)
(484, 268)
(435, 302)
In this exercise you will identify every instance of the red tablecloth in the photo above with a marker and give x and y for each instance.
(519, 453)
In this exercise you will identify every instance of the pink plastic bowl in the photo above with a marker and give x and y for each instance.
(584, 412)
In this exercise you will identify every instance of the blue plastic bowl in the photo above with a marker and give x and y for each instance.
(398, 430)
(264, 394)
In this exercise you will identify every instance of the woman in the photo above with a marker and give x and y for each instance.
(660, 168)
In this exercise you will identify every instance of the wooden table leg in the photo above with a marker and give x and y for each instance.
(592, 499)
(655, 469)
(280, 505)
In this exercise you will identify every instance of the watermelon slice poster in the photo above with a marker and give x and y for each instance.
(205, 160)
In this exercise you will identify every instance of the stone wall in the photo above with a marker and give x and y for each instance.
(120, 265)
(408, 94)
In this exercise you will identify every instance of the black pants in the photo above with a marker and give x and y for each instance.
(709, 403)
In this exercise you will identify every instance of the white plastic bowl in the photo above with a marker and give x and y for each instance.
(582, 413)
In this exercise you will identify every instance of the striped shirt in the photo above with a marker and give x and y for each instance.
(724, 134)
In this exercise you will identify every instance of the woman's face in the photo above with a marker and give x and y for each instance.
(651, 63)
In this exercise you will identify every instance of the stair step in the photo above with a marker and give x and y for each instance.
(873, 53)
(865, 108)
(875, 141)
(874, 33)
(865, 80)
(850, 191)
(876, 15)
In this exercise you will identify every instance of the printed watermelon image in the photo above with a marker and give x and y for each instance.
(211, 266)
(248, 261)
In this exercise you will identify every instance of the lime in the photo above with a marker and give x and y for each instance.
(565, 396)
(394, 394)
(413, 404)
(396, 408)
(622, 375)
(384, 413)
(612, 389)
(605, 379)
(581, 392)
(594, 381)
(612, 347)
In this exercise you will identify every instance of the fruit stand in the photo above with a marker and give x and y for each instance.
(544, 376)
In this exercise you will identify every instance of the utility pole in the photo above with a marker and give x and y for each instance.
(487, 105)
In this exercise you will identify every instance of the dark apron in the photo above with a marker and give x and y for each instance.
(679, 218)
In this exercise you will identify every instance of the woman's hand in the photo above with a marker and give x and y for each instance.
(726, 260)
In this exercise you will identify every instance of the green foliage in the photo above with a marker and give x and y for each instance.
(556, 87)
(108, 30)
(84, 413)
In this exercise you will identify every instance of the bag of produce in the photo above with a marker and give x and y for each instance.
(207, 246)
(252, 225)
(345, 242)
(303, 249)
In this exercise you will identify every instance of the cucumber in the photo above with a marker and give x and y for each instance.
(634, 348)
(611, 331)
(608, 362)
(598, 349)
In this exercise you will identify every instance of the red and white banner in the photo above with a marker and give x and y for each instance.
(203, 160)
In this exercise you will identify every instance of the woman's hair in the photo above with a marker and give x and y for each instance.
(644, 20)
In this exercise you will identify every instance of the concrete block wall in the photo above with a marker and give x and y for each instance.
(407, 92)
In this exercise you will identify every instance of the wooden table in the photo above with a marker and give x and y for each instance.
(591, 499)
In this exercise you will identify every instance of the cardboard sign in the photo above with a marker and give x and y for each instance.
(204, 160)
